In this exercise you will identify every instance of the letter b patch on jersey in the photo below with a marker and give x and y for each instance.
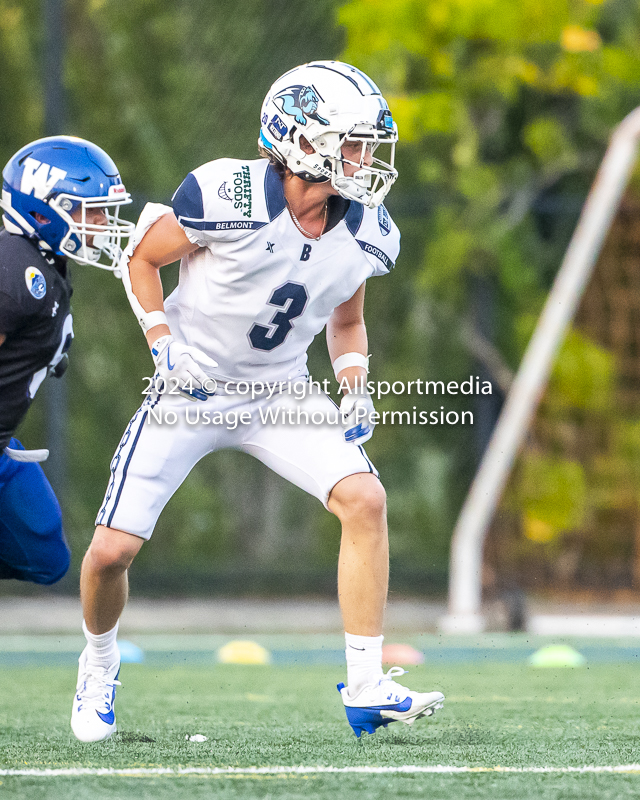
(306, 252)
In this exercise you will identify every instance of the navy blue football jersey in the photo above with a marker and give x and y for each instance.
(35, 318)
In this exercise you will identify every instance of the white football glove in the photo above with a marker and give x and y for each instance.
(26, 456)
(181, 362)
(355, 410)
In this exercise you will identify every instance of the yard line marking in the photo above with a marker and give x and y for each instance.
(301, 770)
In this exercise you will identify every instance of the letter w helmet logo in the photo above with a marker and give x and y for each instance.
(39, 178)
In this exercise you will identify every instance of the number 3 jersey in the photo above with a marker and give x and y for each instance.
(258, 291)
(35, 297)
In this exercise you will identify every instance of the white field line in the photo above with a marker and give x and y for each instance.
(300, 770)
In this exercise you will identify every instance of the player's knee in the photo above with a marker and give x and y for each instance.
(112, 551)
(360, 496)
(372, 502)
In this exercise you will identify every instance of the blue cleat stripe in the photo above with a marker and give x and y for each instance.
(109, 718)
(368, 718)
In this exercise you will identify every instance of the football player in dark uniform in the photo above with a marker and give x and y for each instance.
(61, 198)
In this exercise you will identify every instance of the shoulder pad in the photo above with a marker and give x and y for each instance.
(222, 200)
(23, 282)
(376, 233)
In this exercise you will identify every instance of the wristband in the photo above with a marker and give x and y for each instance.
(146, 319)
(350, 360)
(153, 318)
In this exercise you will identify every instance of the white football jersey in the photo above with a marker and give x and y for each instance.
(257, 291)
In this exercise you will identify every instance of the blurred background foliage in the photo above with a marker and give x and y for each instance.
(504, 109)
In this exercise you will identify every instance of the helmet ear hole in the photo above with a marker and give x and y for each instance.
(306, 146)
(40, 218)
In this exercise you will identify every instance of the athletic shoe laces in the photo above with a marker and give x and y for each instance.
(394, 672)
(96, 690)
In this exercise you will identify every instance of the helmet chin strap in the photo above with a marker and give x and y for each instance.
(91, 254)
(307, 177)
(349, 189)
(354, 187)
(100, 243)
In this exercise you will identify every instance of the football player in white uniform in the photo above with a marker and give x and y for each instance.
(272, 251)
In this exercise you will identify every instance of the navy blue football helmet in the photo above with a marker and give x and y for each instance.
(60, 179)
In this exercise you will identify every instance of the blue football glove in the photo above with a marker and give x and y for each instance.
(356, 409)
(180, 362)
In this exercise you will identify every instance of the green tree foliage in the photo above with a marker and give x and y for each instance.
(499, 101)
(504, 109)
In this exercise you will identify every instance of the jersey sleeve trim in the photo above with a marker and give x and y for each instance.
(378, 253)
(274, 193)
(353, 217)
(225, 225)
(378, 237)
(187, 202)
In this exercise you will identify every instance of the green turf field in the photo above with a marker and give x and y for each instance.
(495, 715)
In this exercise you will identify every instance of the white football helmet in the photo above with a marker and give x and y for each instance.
(330, 103)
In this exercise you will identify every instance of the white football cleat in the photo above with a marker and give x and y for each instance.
(387, 701)
(93, 718)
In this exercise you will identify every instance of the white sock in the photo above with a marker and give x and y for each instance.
(364, 661)
(102, 650)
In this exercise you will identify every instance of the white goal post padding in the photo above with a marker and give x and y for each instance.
(465, 572)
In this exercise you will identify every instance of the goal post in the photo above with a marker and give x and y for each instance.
(464, 613)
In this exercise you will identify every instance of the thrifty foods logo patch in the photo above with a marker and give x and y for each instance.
(384, 221)
(277, 128)
(36, 283)
(242, 191)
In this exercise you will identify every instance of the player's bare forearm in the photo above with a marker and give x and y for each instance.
(147, 287)
(164, 243)
(347, 333)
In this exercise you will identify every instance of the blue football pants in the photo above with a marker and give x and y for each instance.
(32, 543)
